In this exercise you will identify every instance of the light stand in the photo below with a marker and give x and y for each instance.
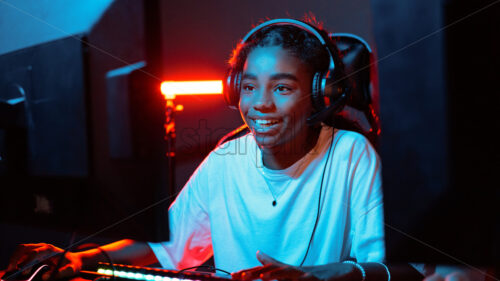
(170, 109)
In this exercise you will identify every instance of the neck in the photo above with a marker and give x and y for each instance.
(282, 157)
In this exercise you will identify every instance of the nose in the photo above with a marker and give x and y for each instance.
(263, 101)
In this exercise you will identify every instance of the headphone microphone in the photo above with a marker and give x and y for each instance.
(337, 100)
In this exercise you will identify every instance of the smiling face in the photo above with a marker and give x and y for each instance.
(275, 99)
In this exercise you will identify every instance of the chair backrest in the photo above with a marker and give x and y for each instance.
(361, 112)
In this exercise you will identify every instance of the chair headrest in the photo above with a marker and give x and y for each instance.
(355, 54)
(361, 111)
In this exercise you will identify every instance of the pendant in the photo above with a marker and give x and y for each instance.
(274, 203)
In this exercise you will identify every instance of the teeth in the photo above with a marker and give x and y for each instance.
(264, 122)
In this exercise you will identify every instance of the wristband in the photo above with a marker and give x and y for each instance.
(359, 267)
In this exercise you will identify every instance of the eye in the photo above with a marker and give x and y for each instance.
(247, 88)
(282, 89)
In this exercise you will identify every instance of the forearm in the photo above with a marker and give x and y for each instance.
(123, 252)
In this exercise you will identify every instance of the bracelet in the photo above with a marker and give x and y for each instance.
(359, 267)
(387, 270)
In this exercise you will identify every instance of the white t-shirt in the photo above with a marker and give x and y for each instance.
(226, 209)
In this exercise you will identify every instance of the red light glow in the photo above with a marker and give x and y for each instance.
(170, 89)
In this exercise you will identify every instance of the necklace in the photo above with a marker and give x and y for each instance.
(274, 203)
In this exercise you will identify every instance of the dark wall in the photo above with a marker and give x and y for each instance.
(413, 107)
(436, 64)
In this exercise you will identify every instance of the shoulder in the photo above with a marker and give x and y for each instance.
(236, 149)
(225, 159)
(350, 138)
(353, 143)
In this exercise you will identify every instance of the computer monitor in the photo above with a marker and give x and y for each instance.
(61, 167)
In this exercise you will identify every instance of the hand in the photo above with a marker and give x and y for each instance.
(272, 269)
(27, 256)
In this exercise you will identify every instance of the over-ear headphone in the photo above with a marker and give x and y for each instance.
(328, 92)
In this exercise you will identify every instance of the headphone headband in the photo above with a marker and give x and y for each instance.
(302, 25)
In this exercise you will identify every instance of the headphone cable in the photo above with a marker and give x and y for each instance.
(319, 198)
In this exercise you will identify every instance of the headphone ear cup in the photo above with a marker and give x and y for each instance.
(232, 88)
(327, 97)
(326, 91)
(317, 94)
